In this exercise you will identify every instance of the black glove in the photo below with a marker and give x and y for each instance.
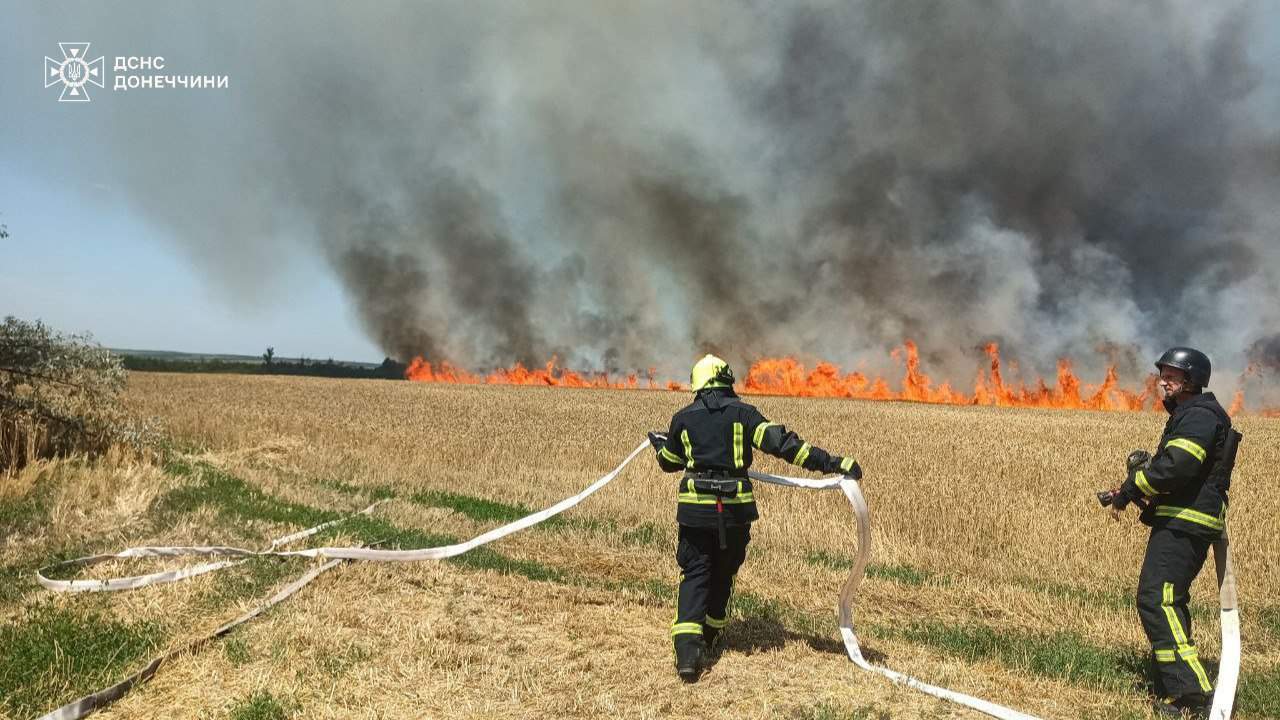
(1137, 459)
(838, 466)
(1119, 500)
(657, 439)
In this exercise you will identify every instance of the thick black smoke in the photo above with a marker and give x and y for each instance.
(628, 186)
(1264, 354)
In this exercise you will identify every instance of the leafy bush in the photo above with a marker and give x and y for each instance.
(60, 395)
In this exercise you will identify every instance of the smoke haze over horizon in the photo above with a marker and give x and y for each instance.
(627, 186)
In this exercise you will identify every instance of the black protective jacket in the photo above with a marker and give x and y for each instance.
(1187, 480)
(715, 436)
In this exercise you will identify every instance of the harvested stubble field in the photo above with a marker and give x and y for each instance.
(995, 572)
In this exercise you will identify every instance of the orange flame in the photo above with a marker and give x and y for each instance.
(787, 376)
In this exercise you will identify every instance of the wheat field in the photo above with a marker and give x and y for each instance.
(994, 570)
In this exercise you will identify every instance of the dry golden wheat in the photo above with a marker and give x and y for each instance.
(998, 502)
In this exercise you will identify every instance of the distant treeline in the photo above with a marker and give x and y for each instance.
(388, 370)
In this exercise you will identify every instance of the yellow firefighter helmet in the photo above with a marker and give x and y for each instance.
(710, 372)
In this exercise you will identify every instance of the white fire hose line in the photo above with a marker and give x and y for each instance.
(851, 646)
(1224, 695)
(81, 707)
(1227, 676)
(336, 553)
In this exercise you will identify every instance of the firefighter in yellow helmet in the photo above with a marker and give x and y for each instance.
(711, 440)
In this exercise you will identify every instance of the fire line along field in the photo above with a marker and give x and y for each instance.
(995, 573)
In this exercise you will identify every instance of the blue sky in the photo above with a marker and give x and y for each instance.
(81, 256)
(90, 265)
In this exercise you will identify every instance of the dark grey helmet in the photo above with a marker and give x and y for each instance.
(1193, 362)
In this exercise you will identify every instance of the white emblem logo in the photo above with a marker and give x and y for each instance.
(73, 71)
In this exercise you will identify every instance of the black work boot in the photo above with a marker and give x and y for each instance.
(709, 636)
(1193, 705)
(689, 657)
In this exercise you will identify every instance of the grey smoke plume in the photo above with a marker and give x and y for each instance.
(628, 185)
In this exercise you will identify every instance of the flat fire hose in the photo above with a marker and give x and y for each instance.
(1228, 671)
(1224, 695)
(854, 494)
(328, 553)
(81, 707)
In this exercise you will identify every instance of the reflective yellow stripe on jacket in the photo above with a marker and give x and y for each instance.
(671, 456)
(1140, 479)
(1194, 516)
(1189, 446)
(801, 455)
(737, 445)
(758, 437)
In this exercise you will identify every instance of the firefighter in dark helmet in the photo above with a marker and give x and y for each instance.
(711, 441)
(1183, 487)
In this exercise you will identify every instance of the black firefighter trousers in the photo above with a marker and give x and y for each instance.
(1173, 560)
(707, 573)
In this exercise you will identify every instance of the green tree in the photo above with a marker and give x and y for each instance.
(59, 395)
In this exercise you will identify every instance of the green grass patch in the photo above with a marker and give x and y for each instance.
(251, 579)
(748, 605)
(17, 514)
(650, 592)
(473, 507)
(1117, 713)
(373, 492)
(236, 650)
(830, 561)
(235, 500)
(828, 711)
(368, 530)
(337, 662)
(1113, 599)
(1259, 693)
(905, 574)
(261, 705)
(486, 559)
(16, 582)
(19, 579)
(645, 534)
(53, 655)
(371, 530)
(1062, 655)
(1269, 619)
(491, 511)
(178, 467)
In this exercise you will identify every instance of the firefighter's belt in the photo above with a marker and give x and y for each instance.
(721, 485)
